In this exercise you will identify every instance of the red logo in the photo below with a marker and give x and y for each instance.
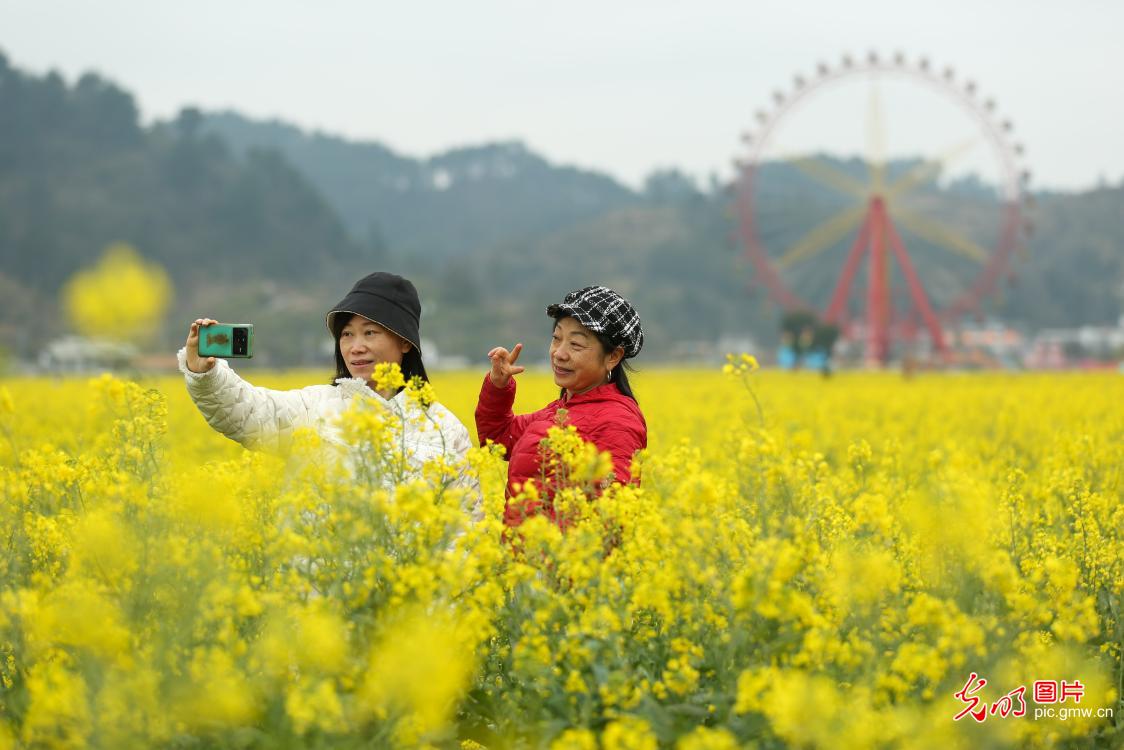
(1046, 691)
(969, 697)
(1014, 702)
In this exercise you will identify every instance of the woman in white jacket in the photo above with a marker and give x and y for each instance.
(377, 322)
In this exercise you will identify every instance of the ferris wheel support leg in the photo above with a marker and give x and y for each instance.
(916, 291)
(836, 310)
(878, 292)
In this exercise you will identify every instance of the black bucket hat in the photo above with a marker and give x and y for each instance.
(387, 299)
(603, 311)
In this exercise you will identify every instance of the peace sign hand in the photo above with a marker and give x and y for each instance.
(503, 365)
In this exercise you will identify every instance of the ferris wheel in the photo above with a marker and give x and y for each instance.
(934, 248)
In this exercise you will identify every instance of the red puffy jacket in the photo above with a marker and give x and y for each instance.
(603, 416)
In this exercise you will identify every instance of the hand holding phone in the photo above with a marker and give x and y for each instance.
(195, 363)
(208, 339)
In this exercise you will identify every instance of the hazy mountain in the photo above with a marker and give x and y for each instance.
(446, 205)
(78, 172)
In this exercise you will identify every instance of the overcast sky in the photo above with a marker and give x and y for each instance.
(624, 87)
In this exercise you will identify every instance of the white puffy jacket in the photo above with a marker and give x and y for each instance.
(261, 418)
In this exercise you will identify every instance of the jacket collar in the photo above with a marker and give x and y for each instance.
(603, 392)
(352, 387)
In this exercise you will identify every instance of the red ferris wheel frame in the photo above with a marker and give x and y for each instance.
(877, 238)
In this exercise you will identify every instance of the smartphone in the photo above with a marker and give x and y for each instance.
(227, 340)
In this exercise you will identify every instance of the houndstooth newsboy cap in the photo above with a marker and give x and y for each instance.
(602, 310)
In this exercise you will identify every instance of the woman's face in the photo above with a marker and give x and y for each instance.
(578, 359)
(364, 344)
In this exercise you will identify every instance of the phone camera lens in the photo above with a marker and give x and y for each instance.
(240, 341)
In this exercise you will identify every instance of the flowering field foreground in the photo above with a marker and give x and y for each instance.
(861, 562)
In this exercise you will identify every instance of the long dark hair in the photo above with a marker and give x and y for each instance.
(411, 360)
(619, 374)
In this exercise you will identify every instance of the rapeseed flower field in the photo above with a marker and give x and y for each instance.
(863, 561)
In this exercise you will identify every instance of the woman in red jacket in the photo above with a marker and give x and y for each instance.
(595, 331)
